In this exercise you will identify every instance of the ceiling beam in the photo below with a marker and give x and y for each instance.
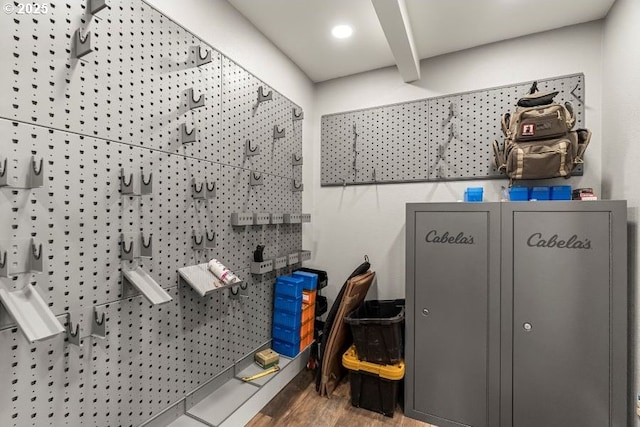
(394, 19)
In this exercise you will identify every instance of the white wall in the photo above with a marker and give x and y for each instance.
(621, 158)
(349, 222)
(220, 25)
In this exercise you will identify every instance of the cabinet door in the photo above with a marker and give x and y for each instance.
(453, 322)
(561, 318)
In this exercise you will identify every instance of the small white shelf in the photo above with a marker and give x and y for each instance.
(240, 219)
(280, 262)
(304, 255)
(305, 217)
(261, 267)
(223, 402)
(292, 218)
(294, 258)
(261, 218)
(151, 290)
(277, 218)
(31, 313)
(202, 280)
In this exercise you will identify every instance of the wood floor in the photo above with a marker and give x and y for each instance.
(299, 405)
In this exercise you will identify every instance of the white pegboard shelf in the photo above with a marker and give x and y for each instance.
(31, 313)
(147, 286)
(202, 280)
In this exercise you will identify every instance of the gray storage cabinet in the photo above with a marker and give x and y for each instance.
(555, 274)
(453, 313)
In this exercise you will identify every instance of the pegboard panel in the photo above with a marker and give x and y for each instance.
(429, 140)
(131, 88)
(245, 119)
(95, 122)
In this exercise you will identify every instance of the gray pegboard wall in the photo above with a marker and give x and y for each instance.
(443, 138)
(95, 122)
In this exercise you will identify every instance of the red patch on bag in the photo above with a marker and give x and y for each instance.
(528, 129)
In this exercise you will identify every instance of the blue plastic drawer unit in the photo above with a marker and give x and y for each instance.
(288, 304)
(285, 348)
(310, 279)
(561, 192)
(289, 286)
(540, 193)
(473, 194)
(287, 320)
(291, 336)
(519, 194)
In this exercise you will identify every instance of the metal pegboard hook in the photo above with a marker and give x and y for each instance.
(210, 191)
(256, 178)
(249, 150)
(36, 251)
(197, 243)
(73, 337)
(262, 97)
(126, 187)
(202, 60)
(146, 247)
(297, 115)
(574, 94)
(185, 136)
(82, 46)
(211, 241)
(193, 102)
(297, 187)
(296, 159)
(146, 186)
(36, 258)
(126, 253)
(278, 133)
(366, 258)
(98, 325)
(36, 173)
(3, 167)
(198, 191)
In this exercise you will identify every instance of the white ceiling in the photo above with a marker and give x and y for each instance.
(302, 28)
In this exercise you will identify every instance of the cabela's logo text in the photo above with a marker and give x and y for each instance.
(459, 239)
(536, 240)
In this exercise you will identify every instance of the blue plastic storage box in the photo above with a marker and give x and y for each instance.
(288, 304)
(287, 320)
(540, 193)
(310, 279)
(289, 286)
(285, 348)
(473, 194)
(519, 194)
(291, 336)
(561, 192)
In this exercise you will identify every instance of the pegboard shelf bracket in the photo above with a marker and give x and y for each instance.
(297, 115)
(201, 60)
(96, 6)
(193, 102)
(279, 133)
(249, 150)
(82, 46)
(20, 256)
(147, 286)
(31, 313)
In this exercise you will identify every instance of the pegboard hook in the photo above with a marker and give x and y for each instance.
(278, 133)
(36, 260)
(73, 337)
(82, 46)
(202, 60)
(146, 186)
(193, 102)
(296, 159)
(296, 186)
(36, 173)
(187, 137)
(249, 150)
(210, 191)
(98, 325)
(297, 115)
(256, 179)
(197, 244)
(198, 192)
(211, 241)
(3, 167)
(262, 97)
(146, 248)
(574, 95)
(127, 254)
(126, 187)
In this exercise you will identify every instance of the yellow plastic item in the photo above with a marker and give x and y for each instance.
(262, 374)
(390, 372)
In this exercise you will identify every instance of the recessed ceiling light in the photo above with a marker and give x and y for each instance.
(342, 31)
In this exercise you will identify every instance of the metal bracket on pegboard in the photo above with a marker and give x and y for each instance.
(81, 45)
